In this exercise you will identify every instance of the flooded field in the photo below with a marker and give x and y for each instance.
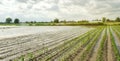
(59, 43)
(13, 31)
(18, 41)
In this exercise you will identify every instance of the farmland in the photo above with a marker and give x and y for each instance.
(60, 43)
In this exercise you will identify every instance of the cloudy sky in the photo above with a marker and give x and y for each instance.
(47, 10)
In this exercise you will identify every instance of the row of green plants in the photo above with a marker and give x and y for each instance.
(90, 47)
(71, 48)
(114, 46)
(100, 55)
(68, 55)
(45, 49)
(64, 49)
(116, 30)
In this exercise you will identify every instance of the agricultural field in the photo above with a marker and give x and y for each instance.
(60, 43)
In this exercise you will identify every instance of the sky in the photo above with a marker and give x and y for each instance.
(47, 10)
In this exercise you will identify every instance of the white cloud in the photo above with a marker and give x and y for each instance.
(46, 10)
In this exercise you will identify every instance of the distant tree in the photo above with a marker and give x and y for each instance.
(51, 21)
(56, 20)
(103, 19)
(117, 19)
(32, 22)
(8, 20)
(16, 21)
(64, 21)
(83, 21)
(26, 22)
(35, 22)
(96, 20)
(108, 20)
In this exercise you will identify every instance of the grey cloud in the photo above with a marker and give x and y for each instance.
(53, 1)
(29, 6)
(37, 1)
(0, 2)
(80, 2)
(76, 2)
(114, 4)
(37, 9)
(103, 7)
(56, 1)
(54, 8)
(22, 1)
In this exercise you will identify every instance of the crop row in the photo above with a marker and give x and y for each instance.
(54, 53)
(55, 41)
(114, 44)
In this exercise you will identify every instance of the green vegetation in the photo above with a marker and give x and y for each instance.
(57, 22)
(8, 20)
(117, 19)
(16, 21)
(94, 43)
(102, 48)
(115, 47)
(80, 48)
(103, 19)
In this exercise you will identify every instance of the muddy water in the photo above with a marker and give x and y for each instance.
(42, 34)
(13, 31)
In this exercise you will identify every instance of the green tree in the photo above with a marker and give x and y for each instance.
(56, 20)
(8, 20)
(32, 22)
(108, 20)
(103, 19)
(117, 19)
(16, 21)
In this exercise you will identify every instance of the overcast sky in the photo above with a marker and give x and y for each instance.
(47, 10)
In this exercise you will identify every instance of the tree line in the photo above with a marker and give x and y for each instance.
(9, 20)
(56, 20)
(104, 19)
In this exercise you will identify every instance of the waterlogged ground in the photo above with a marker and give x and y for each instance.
(59, 43)
(13, 31)
(16, 41)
